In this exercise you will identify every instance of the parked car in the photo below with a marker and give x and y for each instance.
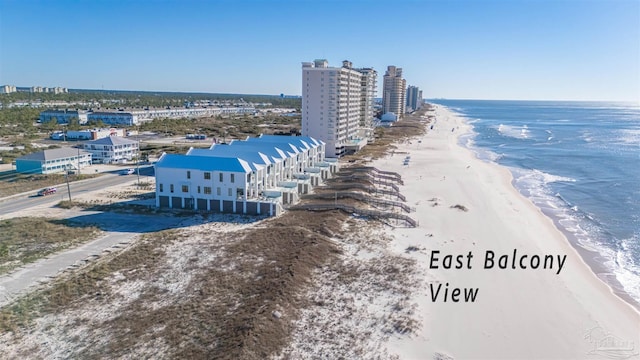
(47, 191)
(127, 171)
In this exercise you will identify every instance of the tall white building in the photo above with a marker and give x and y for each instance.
(394, 92)
(414, 98)
(369, 86)
(337, 105)
(7, 89)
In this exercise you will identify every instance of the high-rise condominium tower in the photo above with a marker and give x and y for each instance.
(394, 91)
(337, 105)
(414, 98)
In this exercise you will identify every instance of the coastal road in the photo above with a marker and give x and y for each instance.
(25, 201)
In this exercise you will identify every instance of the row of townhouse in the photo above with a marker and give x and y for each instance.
(252, 176)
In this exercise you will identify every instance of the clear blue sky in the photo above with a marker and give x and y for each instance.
(510, 49)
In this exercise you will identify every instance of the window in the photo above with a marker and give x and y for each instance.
(230, 192)
(161, 188)
(218, 192)
(171, 188)
(185, 188)
(188, 174)
(207, 176)
(233, 177)
(221, 177)
(198, 189)
(207, 190)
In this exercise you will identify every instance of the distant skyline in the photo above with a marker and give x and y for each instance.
(459, 49)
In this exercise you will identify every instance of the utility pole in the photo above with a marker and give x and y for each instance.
(66, 176)
(78, 160)
(138, 161)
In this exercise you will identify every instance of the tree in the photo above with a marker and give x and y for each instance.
(74, 124)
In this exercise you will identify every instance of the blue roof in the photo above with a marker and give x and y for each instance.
(252, 157)
(240, 155)
(268, 149)
(308, 139)
(301, 142)
(203, 163)
(287, 146)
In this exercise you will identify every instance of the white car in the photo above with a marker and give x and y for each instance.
(127, 171)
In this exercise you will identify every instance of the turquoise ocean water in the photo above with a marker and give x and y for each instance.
(579, 162)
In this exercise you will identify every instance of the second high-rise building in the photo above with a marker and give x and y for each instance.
(394, 92)
(337, 105)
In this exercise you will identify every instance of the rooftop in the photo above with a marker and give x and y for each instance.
(111, 140)
(203, 163)
(51, 154)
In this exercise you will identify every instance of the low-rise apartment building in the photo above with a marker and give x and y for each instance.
(135, 117)
(64, 116)
(52, 161)
(112, 150)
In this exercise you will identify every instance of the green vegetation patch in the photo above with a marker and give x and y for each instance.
(25, 240)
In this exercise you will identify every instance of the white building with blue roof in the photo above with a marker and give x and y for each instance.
(252, 176)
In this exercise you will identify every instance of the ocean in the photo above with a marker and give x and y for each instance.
(579, 162)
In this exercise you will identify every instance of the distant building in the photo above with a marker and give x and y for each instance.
(414, 98)
(64, 116)
(92, 134)
(55, 90)
(51, 161)
(7, 89)
(394, 91)
(114, 118)
(337, 105)
(112, 150)
(135, 117)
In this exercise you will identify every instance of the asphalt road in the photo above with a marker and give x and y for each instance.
(25, 201)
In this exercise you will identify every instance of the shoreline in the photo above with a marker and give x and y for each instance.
(560, 307)
(592, 259)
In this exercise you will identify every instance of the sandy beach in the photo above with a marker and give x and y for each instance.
(513, 311)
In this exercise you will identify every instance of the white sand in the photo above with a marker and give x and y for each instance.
(517, 313)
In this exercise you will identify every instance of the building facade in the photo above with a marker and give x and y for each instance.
(112, 150)
(368, 87)
(394, 92)
(64, 116)
(337, 105)
(92, 134)
(52, 161)
(414, 99)
(44, 89)
(7, 89)
(135, 117)
(252, 176)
